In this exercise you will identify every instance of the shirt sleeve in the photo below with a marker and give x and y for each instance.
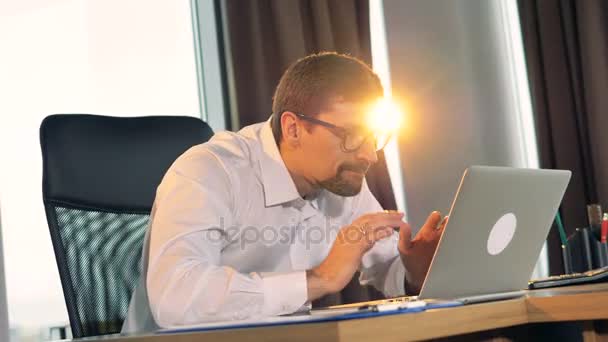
(381, 266)
(186, 282)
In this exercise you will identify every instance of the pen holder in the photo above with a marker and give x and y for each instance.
(600, 257)
(584, 252)
(567, 259)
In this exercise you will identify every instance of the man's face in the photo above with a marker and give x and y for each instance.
(325, 162)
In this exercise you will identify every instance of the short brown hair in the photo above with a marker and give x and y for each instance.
(310, 84)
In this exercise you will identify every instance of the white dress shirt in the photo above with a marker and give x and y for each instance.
(231, 238)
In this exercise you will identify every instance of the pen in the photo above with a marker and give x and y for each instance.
(604, 232)
(560, 228)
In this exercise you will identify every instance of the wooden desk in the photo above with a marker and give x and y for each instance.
(586, 303)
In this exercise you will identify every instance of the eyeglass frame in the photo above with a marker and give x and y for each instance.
(341, 132)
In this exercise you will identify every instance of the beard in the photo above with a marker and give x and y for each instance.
(343, 185)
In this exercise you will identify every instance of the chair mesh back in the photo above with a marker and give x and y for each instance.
(102, 254)
(100, 175)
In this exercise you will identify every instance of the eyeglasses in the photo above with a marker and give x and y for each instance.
(352, 140)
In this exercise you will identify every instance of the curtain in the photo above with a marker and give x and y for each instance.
(566, 48)
(264, 37)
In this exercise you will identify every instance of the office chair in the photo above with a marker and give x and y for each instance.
(100, 175)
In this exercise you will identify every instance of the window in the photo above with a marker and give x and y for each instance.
(71, 56)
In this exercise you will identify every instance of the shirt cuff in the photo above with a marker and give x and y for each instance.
(394, 285)
(284, 292)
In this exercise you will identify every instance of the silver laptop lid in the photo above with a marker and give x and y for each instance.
(499, 220)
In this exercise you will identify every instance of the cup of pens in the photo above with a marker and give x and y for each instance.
(586, 248)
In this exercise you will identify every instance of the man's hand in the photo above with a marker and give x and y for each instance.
(417, 254)
(345, 255)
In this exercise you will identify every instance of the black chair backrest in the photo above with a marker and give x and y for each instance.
(100, 176)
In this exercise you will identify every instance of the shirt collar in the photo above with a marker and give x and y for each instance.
(278, 185)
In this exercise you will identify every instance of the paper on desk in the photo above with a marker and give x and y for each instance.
(371, 306)
(316, 316)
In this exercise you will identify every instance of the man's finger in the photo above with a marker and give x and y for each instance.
(383, 233)
(382, 222)
(405, 235)
(432, 222)
(443, 223)
(385, 216)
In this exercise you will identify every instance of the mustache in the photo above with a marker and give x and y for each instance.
(355, 167)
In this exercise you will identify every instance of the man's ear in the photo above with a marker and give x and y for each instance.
(291, 129)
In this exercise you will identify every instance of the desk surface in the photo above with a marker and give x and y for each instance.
(583, 302)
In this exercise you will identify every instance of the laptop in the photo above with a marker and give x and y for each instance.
(498, 222)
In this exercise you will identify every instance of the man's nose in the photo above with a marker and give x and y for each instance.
(367, 152)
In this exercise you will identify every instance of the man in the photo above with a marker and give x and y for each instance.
(263, 221)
